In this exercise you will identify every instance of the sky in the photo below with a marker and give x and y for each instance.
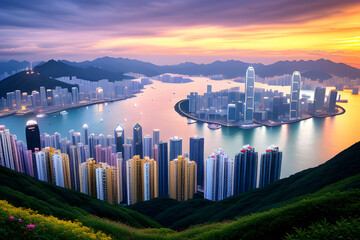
(175, 31)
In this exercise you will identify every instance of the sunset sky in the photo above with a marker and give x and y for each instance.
(174, 31)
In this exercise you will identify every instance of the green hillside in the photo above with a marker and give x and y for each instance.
(176, 215)
(28, 82)
(24, 191)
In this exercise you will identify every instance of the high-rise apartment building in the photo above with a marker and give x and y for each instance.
(270, 166)
(197, 155)
(137, 140)
(175, 147)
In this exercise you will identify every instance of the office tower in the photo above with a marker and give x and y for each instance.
(147, 145)
(197, 155)
(86, 137)
(156, 137)
(163, 169)
(141, 178)
(332, 100)
(110, 140)
(119, 135)
(295, 95)
(58, 169)
(16, 162)
(182, 173)
(32, 135)
(319, 97)
(111, 185)
(71, 133)
(92, 143)
(29, 163)
(76, 138)
(219, 176)
(41, 166)
(193, 102)
(98, 154)
(270, 166)
(84, 183)
(137, 140)
(101, 185)
(231, 112)
(249, 94)
(57, 139)
(75, 162)
(102, 140)
(155, 153)
(66, 170)
(121, 180)
(20, 154)
(43, 98)
(245, 170)
(175, 147)
(6, 156)
(208, 88)
(75, 95)
(129, 141)
(18, 99)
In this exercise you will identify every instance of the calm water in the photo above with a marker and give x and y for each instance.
(305, 144)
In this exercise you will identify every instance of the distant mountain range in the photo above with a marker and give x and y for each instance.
(28, 82)
(57, 69)
(113, 68)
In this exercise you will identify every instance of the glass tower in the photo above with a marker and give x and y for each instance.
(295, 95)
(137, 140)
(249, 94)
(197, 155)
(32, 135)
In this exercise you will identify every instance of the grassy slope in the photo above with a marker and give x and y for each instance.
(197, 211)
(24, 191)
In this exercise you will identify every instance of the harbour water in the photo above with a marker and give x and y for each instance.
(304, 144)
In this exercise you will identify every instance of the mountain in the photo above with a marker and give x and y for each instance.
(57, 69)
(28, 82)
(230, 69)
(316, 75)
(13, 65)
(178, 215)
(330, 212)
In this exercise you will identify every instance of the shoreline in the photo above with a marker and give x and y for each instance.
(255, 124)
(52, 111)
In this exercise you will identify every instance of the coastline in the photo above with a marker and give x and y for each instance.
(55, 110)
(256, 124)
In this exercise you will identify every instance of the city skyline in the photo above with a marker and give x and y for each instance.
(246, 31)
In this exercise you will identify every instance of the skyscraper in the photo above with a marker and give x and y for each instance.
(245, 170)
(101, 185)
(197, 155)
(75, 95)
(43, 98)
(32, 135)
(249, 94)
(219, 176)
(41, 166)
(163, 169)
(119, 135)
(156, 137)
(231, 113)
(332, 100)
(295, 95)
(147, 145)
(182, 182)
(175, 147)
(319, 97)
(112, 185)
(86, 137)
(270, 166)
(6, 156)
(58, 169)
(137, 140)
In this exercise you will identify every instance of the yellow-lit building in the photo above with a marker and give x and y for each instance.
(182, 174)
(142, 179)
(112, 185)
(66, 168)
(87, 177)
(49, 166)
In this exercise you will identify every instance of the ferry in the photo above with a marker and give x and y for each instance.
(214, 126)
(64, 112)
(191, 121)
(41, 115)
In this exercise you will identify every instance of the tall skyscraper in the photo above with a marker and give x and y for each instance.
(193, 102)
(245, 170)
(101, 185)
(112, 185)
(163, 169)
(249, 94)
(295, 95)
(18, 99)
(219, 176)
(142, 181)
(197, 155)
(270, 166)
(147, 145)
(319, 98)
(182, 182)
(6, 156)
(231, 112)
(32, 135)
(58, 169)
(41, 166)
(86, 137)
(75, 95)
(137, 140)
(332, 100)
(119, 135)
(156, 137)
(43, 98)
(175, 147)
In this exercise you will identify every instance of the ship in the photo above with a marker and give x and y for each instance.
(63, 112)
(214, 126)
(191, 121)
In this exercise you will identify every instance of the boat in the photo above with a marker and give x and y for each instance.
(135, 105)
(41, 115)
(214, 126)
(191, 121)
(63, 112)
